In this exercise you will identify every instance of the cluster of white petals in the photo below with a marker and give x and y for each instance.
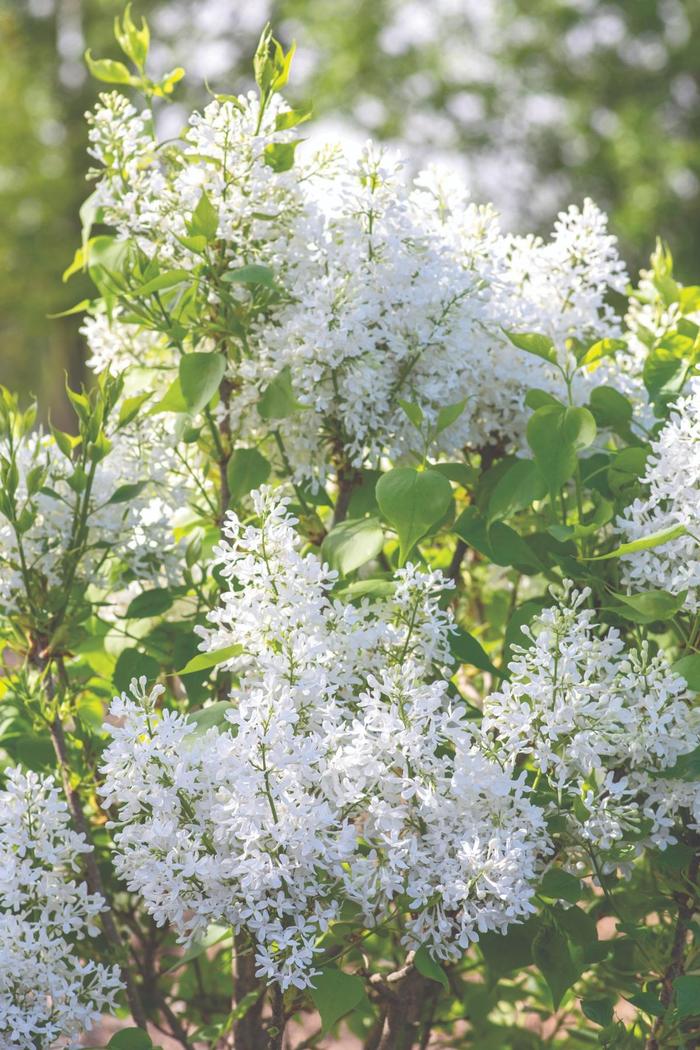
(48, 992)
(387, 289)
(603, 723)
(345, 770)
(671, 499)
(142, 469)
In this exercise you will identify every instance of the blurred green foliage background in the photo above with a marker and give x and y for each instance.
(539, 102)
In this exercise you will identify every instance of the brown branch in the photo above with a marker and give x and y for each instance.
(405, 991)
(248, 1031)
(278, 1021)
(687, 906)
(347, 479)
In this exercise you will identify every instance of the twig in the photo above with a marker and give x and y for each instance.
(687, 905)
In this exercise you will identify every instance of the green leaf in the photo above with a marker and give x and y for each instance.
(129, 408)
(200, 376)
(335, 994)
(163, 281)
(252, 274)
(168, 82)
(363, 500)
(375, 589)
(627, 467)
(205, 219)
(414, 412)
(130, 1039)
(648, 606)
(504, 952)
(649, 1003)
(109, 72)
(644, 543)
(663, 372)
(280, 155)
(555, 436)
(552, 956)
(460, 473)
(84, 304)
(687, 992)
(91, 712)
(690, 299)
(149, 603)
(449, 415)
(132, 40)
(352, 543)
(688, 667)
(203, 661)
(64, 441)
(610, 408)
(278, 400)
(126, 492)
(686, 767)
(247, 469)
(560, 885)
(214, 935)
(292, 117)
(172, 400)
(508, 548)
(133, 664)
(427, 967)
(210, 717)
(600, 1011)
(516, 489)
(412, 501)
(535, 398)
(539, 345)
(602, 348)
(465, 648)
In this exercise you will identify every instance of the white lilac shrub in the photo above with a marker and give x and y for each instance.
(377, 290)
(603, 722)
(356, 615)
(326, 781)
(48, 988)
(670, 502)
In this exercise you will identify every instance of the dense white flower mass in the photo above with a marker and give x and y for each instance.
(603, 722)
(47, 990)
(343, 771)
(672, 498)
(142, 469)
(384, 289)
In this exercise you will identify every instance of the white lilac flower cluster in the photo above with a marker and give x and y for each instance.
(672, 498)
(389, 289)
(602, 723)
(47, 990)
(136, 529)
(345, 771)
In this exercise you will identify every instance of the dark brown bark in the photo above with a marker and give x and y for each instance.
(278, 1022)
(404, 993)
(347, 479)
(248, 1033)
(687, 907)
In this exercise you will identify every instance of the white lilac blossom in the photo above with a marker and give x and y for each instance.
(48, 991)
(119, 348)
(672, 498)
(149, 194)
(138, 530)
(406, 297)
(387, 289)
(343, 771)
(602, 723)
